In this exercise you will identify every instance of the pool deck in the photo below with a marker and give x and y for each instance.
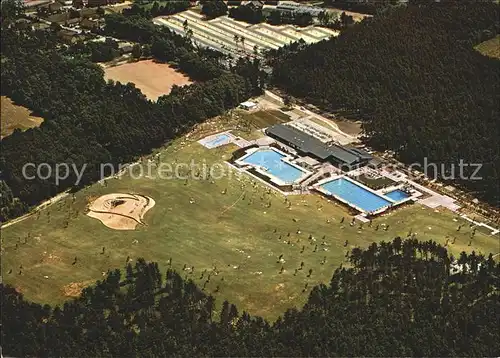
(266, 183)
(433, 201)
(414, 195)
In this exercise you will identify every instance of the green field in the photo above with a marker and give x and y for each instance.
(241, 235)
(249, 123)
(490, 48)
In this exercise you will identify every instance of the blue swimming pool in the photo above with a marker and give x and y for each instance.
(273, 162)
(217, 141)
(397, 195)
(355, 194)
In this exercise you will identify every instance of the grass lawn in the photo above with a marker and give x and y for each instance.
(13, 117)
(206, 223)
(262, 119)
(249, 124)
(490, 47)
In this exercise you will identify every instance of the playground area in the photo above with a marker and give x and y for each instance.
(120, 211)
(225, 34)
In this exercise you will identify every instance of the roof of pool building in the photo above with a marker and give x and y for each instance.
(312, 146)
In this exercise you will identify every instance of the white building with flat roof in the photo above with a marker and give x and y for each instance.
(248, 105)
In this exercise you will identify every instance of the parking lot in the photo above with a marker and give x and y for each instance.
(224, 34)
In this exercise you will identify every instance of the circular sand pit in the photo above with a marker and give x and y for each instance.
(120, 211)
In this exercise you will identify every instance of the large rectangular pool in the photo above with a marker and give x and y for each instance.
(273, 163)
(356, 195)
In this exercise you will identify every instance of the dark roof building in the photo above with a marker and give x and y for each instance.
(341, 156)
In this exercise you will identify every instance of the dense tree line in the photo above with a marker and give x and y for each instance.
(214, 8)
(89, 122)
(414, 78)
(254, 15)
(402, 298)
(157, 9)
(95, 51)
(300, 18)
(10, 206)
(247, 13)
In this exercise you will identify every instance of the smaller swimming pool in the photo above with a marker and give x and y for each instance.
(217, 141)
(273, 163)
(397, 195)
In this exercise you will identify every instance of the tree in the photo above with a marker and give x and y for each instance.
(256, 50)
(213, 9)
(324, 18)
(146, 50)
(247, 13)
(10, 11)
(288, 101)
(303, 19)
(346, 20)
(274, 17)
(154, 9)
(136, 51)
(54, 26)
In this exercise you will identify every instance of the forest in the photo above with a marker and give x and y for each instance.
(156, 9)
(88, 121)
(411, 74)
(399, 298)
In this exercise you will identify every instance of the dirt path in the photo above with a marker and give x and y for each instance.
(43, 205)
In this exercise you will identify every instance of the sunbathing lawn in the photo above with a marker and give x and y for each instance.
(234, 223)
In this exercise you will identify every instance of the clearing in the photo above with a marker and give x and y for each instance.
(490, 48)
(13, 117)
(228, 221)
(154, 79)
